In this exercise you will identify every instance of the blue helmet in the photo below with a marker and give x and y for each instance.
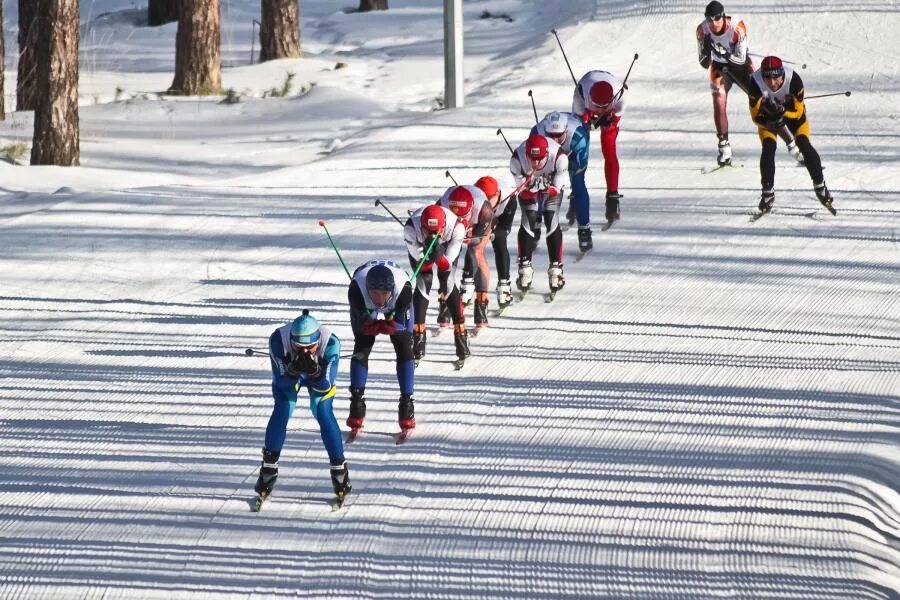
(380, 277)
(305, 330)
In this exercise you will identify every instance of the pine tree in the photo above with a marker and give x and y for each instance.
(279, 30)
(197, 49)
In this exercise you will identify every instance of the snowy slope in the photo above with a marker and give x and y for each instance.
(709, 409)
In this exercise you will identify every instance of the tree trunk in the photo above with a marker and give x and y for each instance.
(160, 12)
(56, 129)
(2, 65)
(367, 5)
(279, 30)
(197, 49)
(25, 97)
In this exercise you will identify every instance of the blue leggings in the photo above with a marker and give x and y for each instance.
(320, 404)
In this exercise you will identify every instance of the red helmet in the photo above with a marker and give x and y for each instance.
(536, 146)
(772, 67)
(433, 218)
(461, 201)
(488, 185)
(601, 94)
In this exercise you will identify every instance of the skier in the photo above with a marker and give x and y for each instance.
(471, 206)
(598, 103)
(776, 100)
(541, 162)
(380, 296)
(303, 353)
(722, 47)
(501, 225)
(567, 130)
(436, 224)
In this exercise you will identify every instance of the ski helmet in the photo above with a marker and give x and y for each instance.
(433, 218)
(536, 146)
(488, 185)
(601, 94)
(380, 277)
(555, 124)
(460, 201)
(772, 67)
(305, 330)
(714, 9)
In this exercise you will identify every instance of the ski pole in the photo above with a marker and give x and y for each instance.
(566, 58)
(423, 260)
(500, 133)
(533, 107)
(336, 251)
(790, 62)
(847, 93)
(255, 352)
(447, 174)
(382, 205)
(625, 81)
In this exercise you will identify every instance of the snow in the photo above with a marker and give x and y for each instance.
(709, 409)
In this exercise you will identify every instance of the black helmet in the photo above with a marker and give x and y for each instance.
(380, 277)
(714, 9)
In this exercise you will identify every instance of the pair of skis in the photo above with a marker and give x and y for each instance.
(400, 438)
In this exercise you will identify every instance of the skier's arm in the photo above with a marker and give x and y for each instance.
(456, 242)
(277, 355)
(515, 167)
(560, 174)
(329, 364)
(703, 47)
(793, 106)
(358, 310)
(413, 245)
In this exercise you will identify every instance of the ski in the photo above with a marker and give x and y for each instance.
(708, 170)
(581, 256)
(352, 435)
(400, 438)
(759, 215)
(458, 364)
(338, 503)
(606, 226)
(477, 330)
(523, 293)
(829, 207)
(550, 296)
(439, 330)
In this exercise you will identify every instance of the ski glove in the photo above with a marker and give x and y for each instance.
(553, 191)
(387, 327)
(370, 327)
(721, 50)
(604, 120)
(304, 364)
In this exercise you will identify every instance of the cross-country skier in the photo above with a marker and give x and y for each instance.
(598, 102)
(380, 296)
(723, 48)
(471, 206)
(438, 224)
(776, 100)
(303, 354)
(567, 130)
(504, 216)
(545, 165)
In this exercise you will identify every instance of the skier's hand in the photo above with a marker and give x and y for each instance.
(527, 195)
(370, 327)
(437, 250)
(537, 185)
(304, 363)
(387, 327)
(604, 120)
(553, 191)
(720, 50)
(707, 44)
(587, 117)
(443, 263)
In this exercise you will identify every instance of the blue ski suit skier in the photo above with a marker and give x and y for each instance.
(380, 296)
(303, 354)
(574, 138)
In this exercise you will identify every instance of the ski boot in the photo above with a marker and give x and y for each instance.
(268, 473)
(555, 276)
(526, 275)
(340, 478)
(481, 305)
(504, 293)
(766, 201)
(461, 339)
(467, 291)
(443, 317)
(795, 153)
(824, 196)
(406, 412)
(724, 157)
(357, 408)
(419, 339)
(612, 207)
(584, 238)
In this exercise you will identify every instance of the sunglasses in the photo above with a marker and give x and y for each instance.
(307, 348)
(715, 18)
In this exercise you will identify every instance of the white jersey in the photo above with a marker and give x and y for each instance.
(478, 200)
(780, 97)
(452, 236)
(400, 279)
(572, 123)
(733, 39)
(554, 171)
(581, 100)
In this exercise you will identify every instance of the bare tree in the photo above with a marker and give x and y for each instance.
(160, 12)
(279, 30)
(25, 98)
(2, 64)
(56, 128)
(367, 5)
(197, 49)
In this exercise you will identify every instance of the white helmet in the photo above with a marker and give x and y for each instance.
(555, 123)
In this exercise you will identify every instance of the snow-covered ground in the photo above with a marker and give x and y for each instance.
(709, 409)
